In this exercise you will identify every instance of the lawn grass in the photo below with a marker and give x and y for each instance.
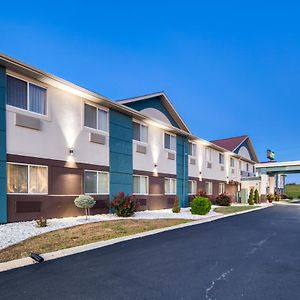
(233, 209)
(293, 190)
(81, 235)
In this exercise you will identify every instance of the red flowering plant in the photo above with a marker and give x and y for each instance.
(124, 206)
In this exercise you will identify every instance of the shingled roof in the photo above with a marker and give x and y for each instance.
(230, 143)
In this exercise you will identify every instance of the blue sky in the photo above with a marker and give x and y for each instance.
(230, 67)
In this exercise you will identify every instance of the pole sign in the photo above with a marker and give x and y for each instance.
(270, 155)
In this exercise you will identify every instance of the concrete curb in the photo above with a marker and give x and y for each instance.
(22, 262)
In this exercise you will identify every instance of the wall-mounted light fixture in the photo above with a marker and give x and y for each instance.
(155, 166)
(227, 179)
(200, 176)
(71, 151)
(155, 172)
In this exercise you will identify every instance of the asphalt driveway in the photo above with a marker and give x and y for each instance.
(250, 256)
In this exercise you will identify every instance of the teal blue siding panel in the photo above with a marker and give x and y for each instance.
(120, 156)
(2, 120)
(154, 102)
(2, 97)
(3, 197)
(182, 170)
(245, 144)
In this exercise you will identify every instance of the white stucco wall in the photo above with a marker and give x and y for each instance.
(156, 154)
(62, 129)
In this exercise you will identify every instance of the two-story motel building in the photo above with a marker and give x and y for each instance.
(59, 140)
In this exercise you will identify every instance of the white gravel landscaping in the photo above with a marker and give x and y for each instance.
(13, 233)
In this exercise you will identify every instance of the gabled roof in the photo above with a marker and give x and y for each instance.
(233, 144)
(165, 102)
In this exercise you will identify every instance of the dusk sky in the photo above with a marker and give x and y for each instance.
(228, 67)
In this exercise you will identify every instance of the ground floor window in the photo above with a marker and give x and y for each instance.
(27, 179)
(96, 182)
(221, 188)
(170, 186)
(192, 187)
(140, 185)
(208, 188)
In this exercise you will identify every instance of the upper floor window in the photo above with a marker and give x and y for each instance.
(140, 132)
(95, 117)
(221, 158)
(170, 141)
(192, 149)
(247, 167)
(208, 154)
(240, 165)
(96, 182)
(140, 185)
(25, 95)
(170, 186)
(231, 162)
(27, 179)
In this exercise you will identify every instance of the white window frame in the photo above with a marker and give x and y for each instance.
(210, 193)
(223, 160)
(170, 179)
(232, 162)
(194, 187)
(223, 189)
(28, 178)
(97, 108)
(194, 146)
(170, 134)
(142, 176)
(145, 125)
(98, 172)
(208, 154)
(28, 82)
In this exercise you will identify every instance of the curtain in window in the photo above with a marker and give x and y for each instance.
(173, 186)
(37, 99)
(173, 142)
(17, 178)
(136, 184)
(16, 92)
(136, 131)
(90, 182)
(167, 186)
(103, 183)
(38, 180)
(102, 120)
(143, 185)
(90, 116)
(144, 133)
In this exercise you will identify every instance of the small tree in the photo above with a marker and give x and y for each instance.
(256, 196)
(251, 198)
(86, 202)
(176, 208)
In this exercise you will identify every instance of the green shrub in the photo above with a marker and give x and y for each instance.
(176, 208)
(256, 197)
(270, 198)
(277, 197)
(251, 198)
(200, 206)
(291, 198)
(124, 206)
(86, 202)
(41, 222)
(284, 196)
(223, 200)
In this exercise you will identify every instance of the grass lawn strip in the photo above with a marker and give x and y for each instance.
(233, 209)
(83, 234)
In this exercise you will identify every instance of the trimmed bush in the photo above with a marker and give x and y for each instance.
(223, 200)
(251, 198)
(277, 197)
(86, 202)
(200, 206)
(284, 196)
(124, 206)
(41, 222)
(256, 197)
(176, 209)
(270, 198)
